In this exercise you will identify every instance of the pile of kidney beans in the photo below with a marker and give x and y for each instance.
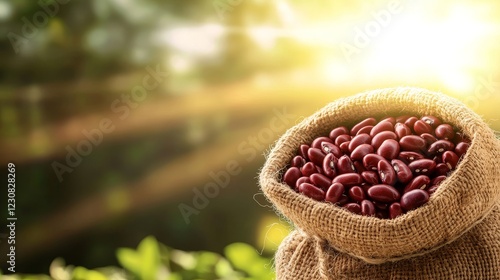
(381, 169)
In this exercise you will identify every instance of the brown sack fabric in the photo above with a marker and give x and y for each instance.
(456, 235)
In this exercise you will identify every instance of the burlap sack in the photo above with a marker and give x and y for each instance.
(456, 235)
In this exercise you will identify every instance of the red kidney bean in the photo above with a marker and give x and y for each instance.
(429, 138)
(440, 146)
(303, 151)
(437, 180)
(402, 130)
(356, 193)
(432, 189)
(327, 147)
(365, 186)
(422, 166)
(345, 165)
(421, 127)
(359, 166)
(383, 193)
(451, 159)
(343, 200)
(334, 193)
(411, 121)
(349, 179)
(441, 169)
(386, 173)
(316, 143)
(381, 126)
(402, 119)
(444, 131)
(361, 151)
(395, 210)
(298, 161)
(312, 191)
(301, 180)
(319, 170)
(420, 182)
(408, 157)
(461, 148)
(378, 139)
(370, 177)
(403, 172)
(414, 199)
(353, 207)
(342, 138)
(358, 140)
(438, 159)
(316, 156)
(308, 169)
(412, 143)
(367, 208)
(291, 176)
(363, 123)
(365, 130)
(321, 181)
(389, 149)
(392, 120)
(336, 132)
(431, 120)
(344, 147)
(370, 161)
(329, 164)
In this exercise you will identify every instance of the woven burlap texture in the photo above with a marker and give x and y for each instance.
(454, 230)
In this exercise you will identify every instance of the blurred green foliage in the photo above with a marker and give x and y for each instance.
(152, 260)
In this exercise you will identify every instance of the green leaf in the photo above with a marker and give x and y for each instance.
(149, 251)
(129, 260)
(241, 255)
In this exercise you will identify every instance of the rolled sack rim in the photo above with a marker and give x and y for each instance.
(415, 232)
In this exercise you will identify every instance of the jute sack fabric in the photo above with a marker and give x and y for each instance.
(456, 235)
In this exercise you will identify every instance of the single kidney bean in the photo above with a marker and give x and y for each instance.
(336, 132)
(421, 127)
(365, 130)
(414, 199)
(291, 176)
(386, 173)
(392, 120)
(356, 193)
(395, 210)
(363, 123)
(437, 180)
(411, 121)
(451, 159)
(402, 119)
(442, 169)
(303, 150)
(316, 155)
(422, 166)
(342, 138)
(329, 164)
(361, 151)
(378, 139)
(389, 149)
(408, 157)
(383, 193)
(402, 130)
(432, 189)
(358, 140)
(344, 147)
(321, 181)
(420, 182)
(308, 169)
(298, 161)
(429, 138)
(334, 192)
(353, 207)
(367, 208)
(327, 147)
(382, 126)
(461, 148)
(370, 161)
(311, 191)
(431, 120)
(316, 143)
(349, 179)
(301, 180)
(359, 166)
(412, 143)
(370, 177)
(403, 172)
(444, 131)
(345, 165)
(440, 146)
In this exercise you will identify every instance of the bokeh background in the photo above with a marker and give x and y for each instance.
(232, 67)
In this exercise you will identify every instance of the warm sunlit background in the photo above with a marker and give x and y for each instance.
(233, 66)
